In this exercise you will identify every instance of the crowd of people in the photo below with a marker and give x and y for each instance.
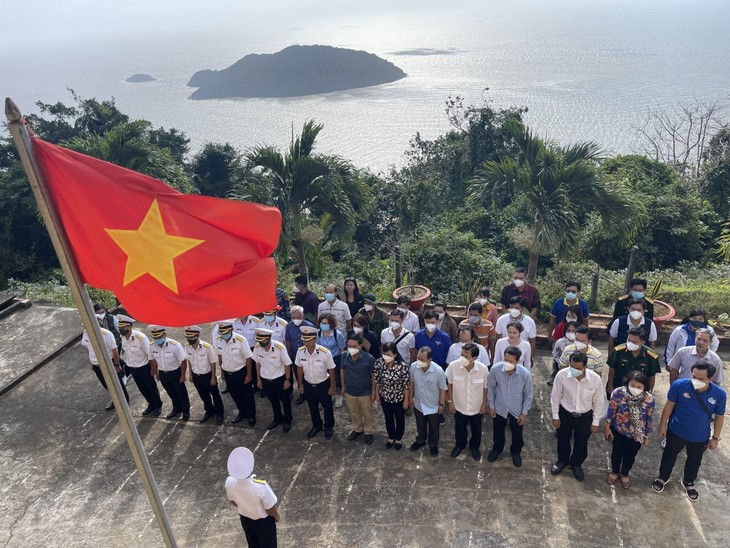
(347, 349)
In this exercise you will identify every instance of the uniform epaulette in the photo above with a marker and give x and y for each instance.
(254, 319)
(323, 348)
(650, 301)
(622, 297)
(620, 347)
(239, 337)
(259, 480)
(652, 353)
(205, 344)
(278, 345)
(104, 331)
(301, 348)
(173, 341)
(257, 345)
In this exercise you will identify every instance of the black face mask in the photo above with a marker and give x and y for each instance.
(263, 341)
(124, 331)
(192, 341)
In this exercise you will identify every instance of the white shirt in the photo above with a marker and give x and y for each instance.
(169, 356)
(455, 352)
(316, 365)
(467, 386)
(273, 362)
(278, 326)
(404, 345)
(107, 339)
(136, 349)
(410, 322)
(613, 330)
(247, 329)
(596, 359)
(529, 331)
(200, 358)
(234, 352)
(524, 346)
(339, 310)
(578, 396)
(252, 496)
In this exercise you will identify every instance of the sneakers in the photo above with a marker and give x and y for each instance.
(398, 445)
(692, 493)
(338, 401)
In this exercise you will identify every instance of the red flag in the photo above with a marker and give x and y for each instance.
(171, 258)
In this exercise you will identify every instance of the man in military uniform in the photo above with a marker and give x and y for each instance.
(136, 352)
(316, 375)
(111, 345)
(201, 359)
(638, 291)
(634, 355)
(273, 372)
(167, 358)
(253, 498)
(234, 356)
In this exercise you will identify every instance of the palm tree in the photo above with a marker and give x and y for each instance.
(557, 186)
(305, 185)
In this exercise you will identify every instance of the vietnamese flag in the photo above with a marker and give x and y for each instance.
(172, 259)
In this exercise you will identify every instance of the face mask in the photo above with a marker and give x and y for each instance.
(463, 361)
(632, 347)
(269, 318)
(475, 320)
(192, 341)
(368, 308)
(570, 336)
(571, 318)
(575, 373)
(297, 322)
(296, 289)
(430, 327)
(422, 365)
(357, 330)
(160, 341)
(508, 366)
(324, 327)
(570, 295)
(100, 316)
(518, 283)
(696, 323)
(482, 301)
(394, 325)
(403, 309)
(698, 384)
(441, 315)
(387, 358)
(515, 313)
(227, 336)
(637, 294)
(580, 345)
(124, 331)
(329, 296)
(353, 351)
(635, 315)
(635, 391)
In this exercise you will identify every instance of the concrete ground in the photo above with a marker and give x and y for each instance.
(67, 479)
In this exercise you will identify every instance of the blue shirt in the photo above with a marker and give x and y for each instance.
(439, 344)
(293, 335)
(510, 394)
(334, 345)
(358, 374)
(427, 386)
(689, 420)
(560, 306)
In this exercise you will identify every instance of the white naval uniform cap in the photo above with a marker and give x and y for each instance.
(240, 463)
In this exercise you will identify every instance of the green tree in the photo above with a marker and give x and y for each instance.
(216, 168)
(306, 185)
(715, 180)
(557, 187)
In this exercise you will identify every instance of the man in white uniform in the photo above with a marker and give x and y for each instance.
(111, 344)
(136, 352)
(168, 365)
(202, 361)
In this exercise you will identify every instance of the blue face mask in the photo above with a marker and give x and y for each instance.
(329, 296)
(160, 341)
(697, 324)
(227, 336)
(269, 318)
(575, 372)
(637, 294)
(570, 295)
(325, 327)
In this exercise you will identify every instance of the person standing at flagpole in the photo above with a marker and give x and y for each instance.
(234, 357)
(201, 359)
(168, 365)
(136, 352)
(111, 345)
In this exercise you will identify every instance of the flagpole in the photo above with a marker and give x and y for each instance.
(81, 298)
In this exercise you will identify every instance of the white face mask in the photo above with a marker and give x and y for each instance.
(518, 283)
(698, 384)
(508, 366)
(405, 310)
(368, 308)
(422, 365)
(463, 361)
(635, 315)
(296, 289)
(387, 358)
(430, 327)
(353, 351)
(635, 391)
(482, 301)
(632, 347)
(441, 315)
(297, 322)
(394, 325)
(570, 336)
(357, 330)
(571, 318)
(580, 345)
(515, 313)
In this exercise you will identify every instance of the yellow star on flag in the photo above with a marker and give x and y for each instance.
(151, 250)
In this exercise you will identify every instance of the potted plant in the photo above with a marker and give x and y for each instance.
(662, 311)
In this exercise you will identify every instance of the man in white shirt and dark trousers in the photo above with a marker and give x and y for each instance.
(167, 357)
(316, 376)
(253, 498)
(202, 362)
(467, 380)
(136, 352)
(273, 372)
(111, 345)
(577, 405)
(234, 357)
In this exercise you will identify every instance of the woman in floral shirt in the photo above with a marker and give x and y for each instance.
(628, 424)
(391, 390)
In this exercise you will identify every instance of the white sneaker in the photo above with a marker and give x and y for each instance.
(125, 378)
(338, 400)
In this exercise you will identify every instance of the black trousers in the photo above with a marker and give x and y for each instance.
(428, 428)
(675, 444)
(499, 425)
(338, 380)
(212, 402)
(475, 425)
(241, 392)
(147, 384)
(100, 376)
(278, 398)
(623, 453)
(316, 394)
(260, 533)
(175, 389)
(395, 421)
(577, 428)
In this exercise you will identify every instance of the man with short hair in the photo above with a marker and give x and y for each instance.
(293, 340)
(680, 366)
(410, 318)
(376, 316)
(637, 291)
(693, 405)
(357, 368)
(577, 405)
(467, 398)
(632, 356)
(136, 352)
(515, 313)
(483, 329)
(520, 288)
(316, 376)
(305, 298)
(428, 396)
(234, 357)
(404, 340)
(582, 345)
(111, 345)
(431, 336)
(201, 359)
(273, 371)
(339, 309)
(446, 323)
(509, 398)
(466, 336)
(169, 366)
(618, 332)
(561, 305)
(275, 324)
(489, 309)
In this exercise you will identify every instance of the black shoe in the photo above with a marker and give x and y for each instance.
(409, 412)
(172, 414)
(219, 419)
(238, 418)
(156, 411)
(328, 434)
(225, 390)
(109, 406)
(398, 445)
(147, 410)
(557, 468)
(262, 396)
(352, 436)
(186, 415)
(251, 422)
(442, 420)
(287, 427)
(368, 439)
(476, 454)
(273, 424)
(517, 459)
(300, 399)
(578, 472)
(456, 451)
(692, 493)
(205, 417)
(415, 446)
(434, 451)
(313, 432)
(493, 455)
(389, 444)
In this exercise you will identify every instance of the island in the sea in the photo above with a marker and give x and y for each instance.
(138, 78)
(294, 72)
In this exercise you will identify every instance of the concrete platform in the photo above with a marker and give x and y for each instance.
(67, 479)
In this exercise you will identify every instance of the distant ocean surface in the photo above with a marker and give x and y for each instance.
(585, 72)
